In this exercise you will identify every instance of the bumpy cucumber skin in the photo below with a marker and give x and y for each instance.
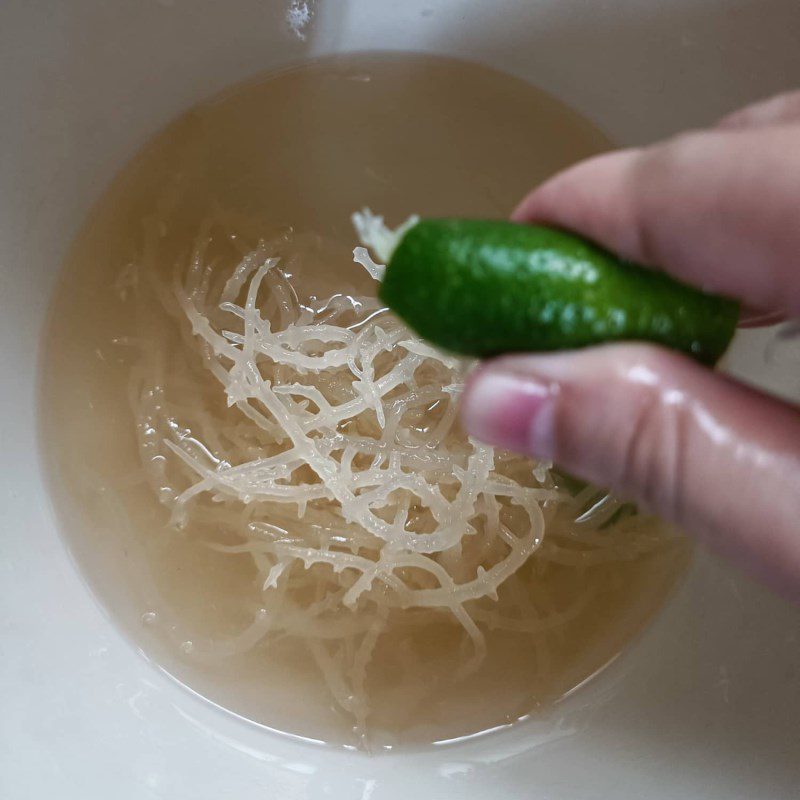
(481, 288)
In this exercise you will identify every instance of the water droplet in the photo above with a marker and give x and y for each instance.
(187, 646)
(150, 618)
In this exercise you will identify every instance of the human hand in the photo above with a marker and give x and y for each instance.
(719, 209)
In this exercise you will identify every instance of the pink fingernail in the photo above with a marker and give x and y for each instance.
(510, 410)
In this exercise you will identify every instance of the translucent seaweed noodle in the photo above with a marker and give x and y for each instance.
(321, 439)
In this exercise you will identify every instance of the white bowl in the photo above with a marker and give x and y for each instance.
(707, 702)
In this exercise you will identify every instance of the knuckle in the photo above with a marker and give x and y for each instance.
(659, 173)
(652, 465)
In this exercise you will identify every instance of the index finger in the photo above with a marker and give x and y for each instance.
(717, 209)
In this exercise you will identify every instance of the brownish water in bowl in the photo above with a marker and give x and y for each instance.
(304, 148)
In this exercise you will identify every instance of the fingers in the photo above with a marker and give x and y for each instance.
(783, 109)
(718, 459)
(716, 209)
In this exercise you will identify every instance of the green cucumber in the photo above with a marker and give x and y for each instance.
(481, 288)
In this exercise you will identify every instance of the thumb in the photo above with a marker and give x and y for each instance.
(717, 458)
